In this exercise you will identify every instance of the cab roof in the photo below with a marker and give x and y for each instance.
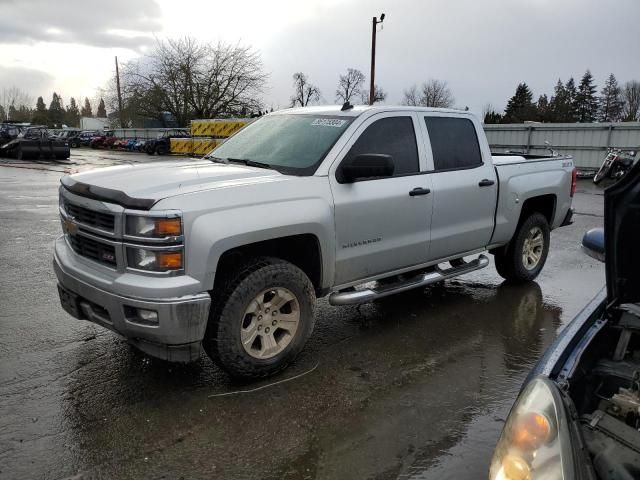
(358, 110)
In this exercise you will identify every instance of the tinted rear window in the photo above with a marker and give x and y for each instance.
(454, 143)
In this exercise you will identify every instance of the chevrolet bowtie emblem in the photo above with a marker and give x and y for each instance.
(70, 226)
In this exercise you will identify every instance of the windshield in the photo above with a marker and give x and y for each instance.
(294, 144)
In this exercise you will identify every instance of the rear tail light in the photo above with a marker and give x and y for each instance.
(574, 181)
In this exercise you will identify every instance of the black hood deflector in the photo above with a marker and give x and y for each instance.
(108, 195)
(622, 224)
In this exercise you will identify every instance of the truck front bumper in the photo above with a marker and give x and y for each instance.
(168, 328)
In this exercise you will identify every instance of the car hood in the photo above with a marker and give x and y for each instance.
(141, 185)
(622, 225)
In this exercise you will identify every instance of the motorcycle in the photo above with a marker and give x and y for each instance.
(615, 165)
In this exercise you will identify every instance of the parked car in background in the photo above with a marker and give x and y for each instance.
(230, 251)
(162, 144)
(578, 414)
(34, 142)
(82, 138)
(103, 139)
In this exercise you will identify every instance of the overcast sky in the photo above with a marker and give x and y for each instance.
(482, 48)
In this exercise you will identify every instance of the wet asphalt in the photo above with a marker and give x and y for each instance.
(416, 386)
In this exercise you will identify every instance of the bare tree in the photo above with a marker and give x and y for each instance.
(192, 80)
(305, 91)
(411, 96)
(631, 99)
(16, 98)
(432, 93)
(379, 95)
(350, 85)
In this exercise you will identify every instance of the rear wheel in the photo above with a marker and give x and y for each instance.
(262, 319)
(162, 149)
(523, 259)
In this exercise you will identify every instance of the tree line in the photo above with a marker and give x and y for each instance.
(182, 79)
(17, 106)
(571, 103)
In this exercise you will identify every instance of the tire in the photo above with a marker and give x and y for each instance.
(162, 150)
(20, 154)
(245, 298)
(74, 144)
(530, 242)
(602, 173)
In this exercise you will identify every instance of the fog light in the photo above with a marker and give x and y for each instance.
(141, 315)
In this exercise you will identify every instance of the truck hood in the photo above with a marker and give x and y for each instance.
(622, 225)
(141, 185)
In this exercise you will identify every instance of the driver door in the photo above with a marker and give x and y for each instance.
(380, 225)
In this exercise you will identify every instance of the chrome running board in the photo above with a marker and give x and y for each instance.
(353, 297)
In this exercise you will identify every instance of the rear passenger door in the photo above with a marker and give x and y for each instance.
(380, 225)
(464, 186)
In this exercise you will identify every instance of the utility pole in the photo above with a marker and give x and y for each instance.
(119, 95)
(373, 58)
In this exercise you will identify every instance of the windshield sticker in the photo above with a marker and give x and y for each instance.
(329, 122)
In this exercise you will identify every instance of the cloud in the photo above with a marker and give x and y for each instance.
(113, 24)
(27, 79)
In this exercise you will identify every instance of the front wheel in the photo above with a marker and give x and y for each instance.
(262, 319)
(523, 259)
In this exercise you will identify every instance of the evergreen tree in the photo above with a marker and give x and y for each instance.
(3, 114)
(585, 102)
(72, 115)
(571, 114)
(86, 110)
(102, 111)
(23, 114)
(41, 115)
(610, 101)
(56, 111)
(544, 108)
(13, 113)
(558, 103)
(520, 107)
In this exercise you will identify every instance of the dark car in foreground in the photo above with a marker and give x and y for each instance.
(578, 414)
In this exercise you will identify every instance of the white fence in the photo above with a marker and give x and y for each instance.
(586, 142)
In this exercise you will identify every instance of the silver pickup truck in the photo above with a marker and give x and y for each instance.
(229, 252)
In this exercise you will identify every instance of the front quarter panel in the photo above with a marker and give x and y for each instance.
(218, 220)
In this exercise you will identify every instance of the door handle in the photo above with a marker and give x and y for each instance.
(419, 191)
(486, 183)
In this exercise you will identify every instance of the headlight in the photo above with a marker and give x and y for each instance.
(153, 227)
(155, 260)
(535, 440)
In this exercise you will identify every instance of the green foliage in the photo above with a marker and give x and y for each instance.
(102, 111)
(585, 101)
(72, 115)
(41, 115)
(611, 102)
(86, 109)
(520, 107)
(56, 111)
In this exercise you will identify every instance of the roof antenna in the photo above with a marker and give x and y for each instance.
(346, 106)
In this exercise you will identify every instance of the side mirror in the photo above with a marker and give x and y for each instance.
(593, 243)
(367, 165)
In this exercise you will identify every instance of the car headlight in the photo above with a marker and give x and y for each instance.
(153, 227)
(535, 442)
(155, 260)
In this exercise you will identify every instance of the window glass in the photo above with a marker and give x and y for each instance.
(454, 143)
(294, 144)
(390, 136)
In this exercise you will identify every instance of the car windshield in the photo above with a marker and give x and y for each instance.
(294, 144)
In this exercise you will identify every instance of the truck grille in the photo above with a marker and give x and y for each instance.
(92, 249)
(104, 221)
